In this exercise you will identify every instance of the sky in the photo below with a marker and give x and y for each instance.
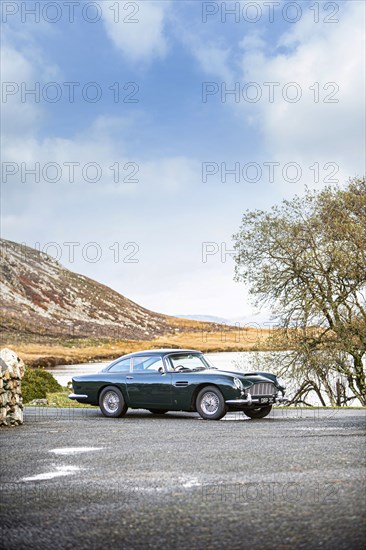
(135, 134)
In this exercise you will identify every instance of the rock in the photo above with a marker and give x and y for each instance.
(15, 417)
(11, 402)
(2, 416)
(39, 402)
(3, 365)
(9, 360)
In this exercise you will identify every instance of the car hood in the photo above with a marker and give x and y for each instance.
(253, 377)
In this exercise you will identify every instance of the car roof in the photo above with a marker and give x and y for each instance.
(161, 351)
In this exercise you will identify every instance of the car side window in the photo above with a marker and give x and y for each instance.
(121, 366)
(147, 364)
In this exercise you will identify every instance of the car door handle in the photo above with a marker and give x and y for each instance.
(129, 377)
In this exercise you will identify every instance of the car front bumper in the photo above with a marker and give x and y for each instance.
(248, 400)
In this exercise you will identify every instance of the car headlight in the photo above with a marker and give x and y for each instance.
(281, 382)
(238, 383)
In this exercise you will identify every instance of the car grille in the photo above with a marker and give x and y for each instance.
(263, 388)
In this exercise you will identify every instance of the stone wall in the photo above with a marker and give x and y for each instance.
(11, 402)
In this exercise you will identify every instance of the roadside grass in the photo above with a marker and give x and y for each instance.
(60, 399)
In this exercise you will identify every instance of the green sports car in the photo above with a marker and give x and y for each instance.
(177, 380)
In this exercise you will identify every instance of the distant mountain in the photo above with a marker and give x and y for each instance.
(41, 297)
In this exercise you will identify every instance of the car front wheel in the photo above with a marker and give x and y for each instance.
(261, 412)
(112, 403)
(210, 403)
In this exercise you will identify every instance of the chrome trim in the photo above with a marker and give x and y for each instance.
(77, 396)
(281, 400)
(262, 389)
(246, 401)
(253, 400)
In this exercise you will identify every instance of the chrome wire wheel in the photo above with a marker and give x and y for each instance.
(210, 403)
(111, 402)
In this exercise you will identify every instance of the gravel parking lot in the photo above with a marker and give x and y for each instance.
(71, 478)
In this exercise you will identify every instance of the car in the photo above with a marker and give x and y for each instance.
(165, 380)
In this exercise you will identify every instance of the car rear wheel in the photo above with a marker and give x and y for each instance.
(158, 411)
(112, 403)
(258, 412)
(210, 403)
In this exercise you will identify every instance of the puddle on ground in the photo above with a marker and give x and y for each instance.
(60, 471)
(74, 450)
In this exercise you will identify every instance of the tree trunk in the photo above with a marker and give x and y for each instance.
(359, 378)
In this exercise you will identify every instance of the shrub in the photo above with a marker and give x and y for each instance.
(37, 383)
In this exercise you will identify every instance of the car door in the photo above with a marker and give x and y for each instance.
(184, 382)
(183, 386)
(149, 385)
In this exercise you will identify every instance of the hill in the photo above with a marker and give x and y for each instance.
(41, 297)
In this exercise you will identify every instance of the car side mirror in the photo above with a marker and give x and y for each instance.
(161, 370)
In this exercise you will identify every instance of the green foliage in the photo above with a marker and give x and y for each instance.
(37, 383)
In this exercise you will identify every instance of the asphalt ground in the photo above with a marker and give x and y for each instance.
(71, 478)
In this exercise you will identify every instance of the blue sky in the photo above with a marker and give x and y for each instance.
(149, 235)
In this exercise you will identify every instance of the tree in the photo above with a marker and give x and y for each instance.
(306, 260)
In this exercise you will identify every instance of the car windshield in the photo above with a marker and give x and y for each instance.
(188, 362)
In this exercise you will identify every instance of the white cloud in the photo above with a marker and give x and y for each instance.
(22, 69)
(307, 131)
(214, 60)
(316, 53)
(18, 117)
(105, 143)
(138, 28)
